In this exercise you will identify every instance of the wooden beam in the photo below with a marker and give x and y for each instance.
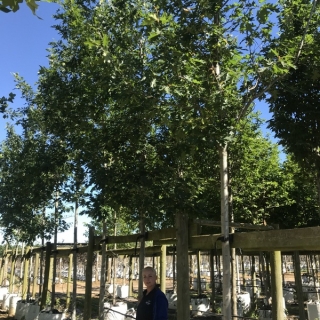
(249, 226)
(279, 240)
(285, 240)
(289, 240)
(133, 238)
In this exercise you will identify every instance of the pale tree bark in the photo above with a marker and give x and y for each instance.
(318, 189)
(276, 284)
(74, 257)
(55, 241)
(198, 256)
(212, 279)
(183, 290)
(114, 262)
(141, 253)
(225, 244)
(254, 280)
(88, 293)
(103, 272)
(298, 283)
(233, 260)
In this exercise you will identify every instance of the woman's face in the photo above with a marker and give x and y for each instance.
(149, 279)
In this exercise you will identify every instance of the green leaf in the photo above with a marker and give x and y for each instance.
(32, 5)
(154, 34)
(105, 40)
(4, 9)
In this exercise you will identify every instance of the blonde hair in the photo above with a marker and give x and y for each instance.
(148, 268)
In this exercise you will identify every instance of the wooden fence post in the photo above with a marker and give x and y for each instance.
(276, 285)
(25, 273)
(35, 275)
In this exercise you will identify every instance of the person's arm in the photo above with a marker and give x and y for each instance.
(161, 307)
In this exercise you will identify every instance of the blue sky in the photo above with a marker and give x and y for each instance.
(25, 40)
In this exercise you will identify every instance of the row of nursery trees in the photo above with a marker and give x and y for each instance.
(145, 113)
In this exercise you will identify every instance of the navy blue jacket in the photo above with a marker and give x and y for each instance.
(160, 307)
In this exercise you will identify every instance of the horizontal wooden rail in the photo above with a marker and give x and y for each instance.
(286, 240)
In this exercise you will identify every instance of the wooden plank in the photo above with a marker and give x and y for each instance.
(133, 238)
(205, 242)
(280, 240)
(289, 240)
(249, 226)
(164, 242)
(286, 240)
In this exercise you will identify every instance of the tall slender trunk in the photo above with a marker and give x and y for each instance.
(74, 260)
(114, 261)
(225, 246)
(103, 272)
(298, 284)
(141, 253)
(55, 241)
(318, 189)
(183, 290)
(233, 258)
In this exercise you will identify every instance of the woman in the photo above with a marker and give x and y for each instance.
(154, 304)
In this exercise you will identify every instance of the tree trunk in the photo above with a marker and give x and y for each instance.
(262, 271)
(298, 283)
(174, 281)
(130, 276)
(141, 253)
(254, 281)
(212, 279)
(243, 272)
(88, 293)
(102, 272)
(55, 241)
(225, 245)
(318, 189)
(234, 283)
(198, 257)
(4, 267)
(183, 290)
(75, 246)
(46, 276)
(268, 284)
(68, 300)
(191, 271)
(114, 263)
(163, 268)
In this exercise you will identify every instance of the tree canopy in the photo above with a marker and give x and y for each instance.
(7, 6)
(141, 96)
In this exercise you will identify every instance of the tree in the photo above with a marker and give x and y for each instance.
(175, 69)
(294, 103)
(256, 178)
(13, 5)
(302, 208)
